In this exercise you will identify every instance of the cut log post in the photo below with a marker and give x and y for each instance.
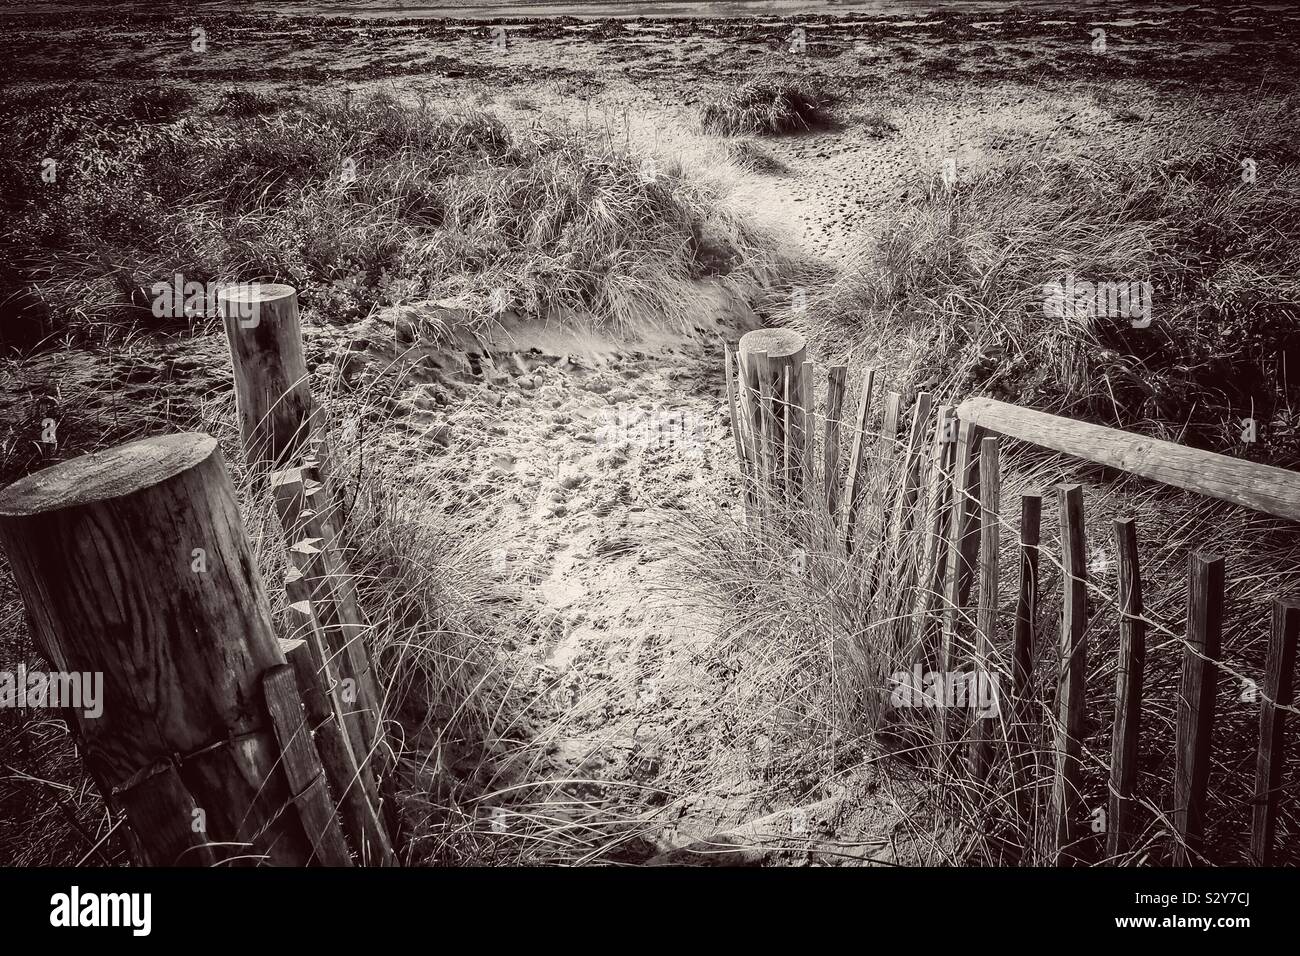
(301, 764)
(831, 445)
(1024, 758)
(782, 349)
(769, 485)
(1199, 684)
(1063, 812)
(1128, 691)
(1279, 693)
(133, 563)
(986, 641)
(272, 388)
(856, 476)
(352, 785)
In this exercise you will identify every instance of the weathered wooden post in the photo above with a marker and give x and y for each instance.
(1200, 680)
(784, 350)
(1128, 691)
(272, 390)
(1279, 694)
(1067, 781)
(133, 564)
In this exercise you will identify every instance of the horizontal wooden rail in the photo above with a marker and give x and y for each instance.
(1274, 491)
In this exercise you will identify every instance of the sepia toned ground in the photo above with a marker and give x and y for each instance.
(559, 442)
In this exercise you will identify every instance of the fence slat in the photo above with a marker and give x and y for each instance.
(831, 447)
(1128, 691)
(1063, 811)
(1196, 703)
(853, 484)
(304, 512)
(990, 528)
(939, 514)
(742, 458)
(352, 785)
(1024, 762)
(302, 766)
(963, 552)
(810, 427)
(1279, 688)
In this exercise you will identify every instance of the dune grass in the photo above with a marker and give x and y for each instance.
(358, 204)
(952, 297)
(768, 106)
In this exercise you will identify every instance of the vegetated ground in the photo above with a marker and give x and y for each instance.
(544, 459)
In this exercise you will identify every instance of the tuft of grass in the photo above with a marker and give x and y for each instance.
(747, 154)
(768, 106)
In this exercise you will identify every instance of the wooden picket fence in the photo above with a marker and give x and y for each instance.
(934, 545)
(222, 742)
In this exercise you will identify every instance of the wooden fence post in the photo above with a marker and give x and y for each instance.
(272, 388)
(1063, 816)
(1196, 703)
(765, 356)
(1128, 690)
(133, 564)
(1279, 693)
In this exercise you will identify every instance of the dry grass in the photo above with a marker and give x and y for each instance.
(952, 297)
(357, 204)
(769, 105)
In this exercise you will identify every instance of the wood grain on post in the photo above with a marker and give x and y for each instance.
(1274, 491)
(856, 476)
(831, 445)
(1279, 693)
(1128, 691)
(780, 349)
(769, 484)
(272, 388)
(990, 528)
(1063, 811)
(133, 563)
(1197, 688)
(1022, 655)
